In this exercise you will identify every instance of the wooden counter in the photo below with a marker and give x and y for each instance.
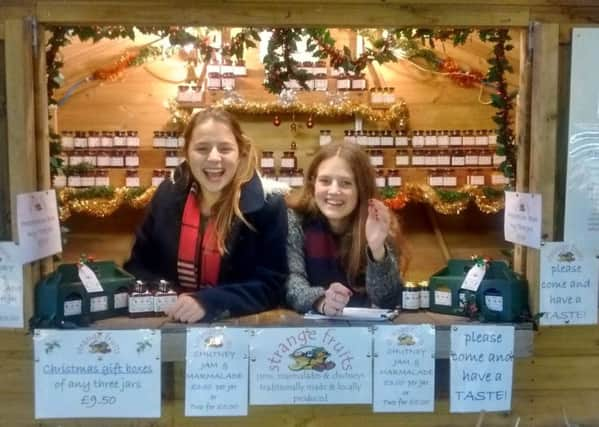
(173, 334)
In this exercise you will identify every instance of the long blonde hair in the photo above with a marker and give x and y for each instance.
(353, 241)
(227, 206)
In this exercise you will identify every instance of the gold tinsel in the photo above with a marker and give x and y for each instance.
(426, 194)
(422, 193)
(396, 115)
(100, 207)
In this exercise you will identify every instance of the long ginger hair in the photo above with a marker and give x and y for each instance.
(226, 208)
(353, 240)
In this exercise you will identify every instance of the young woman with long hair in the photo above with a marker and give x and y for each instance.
(214, 230)
(343, 243)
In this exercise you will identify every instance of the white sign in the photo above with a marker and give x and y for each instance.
(39, 230)
(481, 368)
(97, 374)
(307, 366)
(11, 286)
(522, 222)
(216, 374)
(581, 222)
(474, 277)
(569, 275)
(404, 368)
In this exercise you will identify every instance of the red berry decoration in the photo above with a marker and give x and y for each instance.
(276, 121)
(310, 122)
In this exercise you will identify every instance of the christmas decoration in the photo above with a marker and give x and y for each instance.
(310, 122)
(276, 120)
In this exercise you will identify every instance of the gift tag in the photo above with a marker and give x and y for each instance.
(474, 277)
(89, 279)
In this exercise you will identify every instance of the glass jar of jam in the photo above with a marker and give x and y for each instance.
(381, 179)
(164, 297)
(93, 139)
(267, 161)
(131, 159)
(410, 297)
(425, 300)
(132, 140)
(141, 301)
(102, 179)
(120, 139)
(394, 178)
(107, 139)
(131, 178)
(213, 81)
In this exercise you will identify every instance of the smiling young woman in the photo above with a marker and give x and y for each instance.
(343, 243)
(214, 230)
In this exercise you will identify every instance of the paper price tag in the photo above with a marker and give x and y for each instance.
(89, 279)
(474, 277)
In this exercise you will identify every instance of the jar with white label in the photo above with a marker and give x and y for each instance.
(88, 178)
(343, 82)
(410, 296)
(380, 179)
(131, 159)
(394, 178)
(120, 139)
(288, 161)
(418, 138)
(117, 159)
(374, 138)
(267, 161)
(425, 302)
(387, 139)
(132, 140)
(157, 177)
(141, 300)
(164, 297)
(376, 158)
(107, 139)
(131, 178)
(458, 158)
(67, 140)
(358, 82)
(80, 140)
(455, 138)
(362, 138)
(297, 178)
(401, 138)
(93, 139)
(101, 178)
(103, 159)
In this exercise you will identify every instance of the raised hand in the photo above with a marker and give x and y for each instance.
(377, 227)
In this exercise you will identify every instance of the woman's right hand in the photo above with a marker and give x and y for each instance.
(335, 299)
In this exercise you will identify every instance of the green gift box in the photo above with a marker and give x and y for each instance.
(501, 297)
(61, 297)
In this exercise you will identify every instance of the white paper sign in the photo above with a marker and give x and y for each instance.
(569, 274)
(308, 366)
(216, 374)
(481, 366)
(522, 221)
(11, 286)
(88, 278)
(97, 374)
(39, 230)
(474, 277)
(404, 368)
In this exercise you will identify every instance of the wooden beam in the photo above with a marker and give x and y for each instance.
(282, 14)
(543, 138)
(21, 131)
(523, 135)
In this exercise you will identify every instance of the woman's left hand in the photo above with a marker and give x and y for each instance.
(186, 310)
(377, 228)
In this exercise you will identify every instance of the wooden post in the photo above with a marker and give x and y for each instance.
(523, 135)
(5, 223)
(21, 132)
(543, 139)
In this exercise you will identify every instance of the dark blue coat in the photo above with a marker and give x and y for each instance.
(253, 271)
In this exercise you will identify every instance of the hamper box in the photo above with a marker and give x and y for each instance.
(501, 297)
(61, 297)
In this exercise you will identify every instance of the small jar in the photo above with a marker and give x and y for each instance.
(455, 138)
(376, 158)
(107, 139)
(401, 138)
(425, 300)
(75, 158)
(267, 161)
(213, 82)
(196, 93)
(132, 178)
(430, 138)
(103, 159)
(80, 140)
(228, 81)
(183, 93)
(358, 82)
(418, 139)
(67, 140)
(380, 179)
(171, 141)
(458, 158)
(374, 138)
(410, 297)
(475, 177)
(171, 159)
(471, 158)
(101, 178)
(435, 178)
(157, 177)
(164, 297)
(288, 161)
(88, 179)
(132, 140)
(389, 95)
(325, 137)
(394, 178)
(321, 82)
(158, 141)
(468, 138)
(131, 159)
(89, 157)
(117, 159)
(449, 178)
(120, 139)
(297, 178)
(93, 139)
(430, 158)
(387, 139)
(418, 158)
(180, 140)
(443, 138)
(141, 301)
(362, 138)
(443, 158)
(481, 138)
(59, 181)
(492, 136)
(343, 82)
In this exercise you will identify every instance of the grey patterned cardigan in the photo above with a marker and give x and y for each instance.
(383, 283)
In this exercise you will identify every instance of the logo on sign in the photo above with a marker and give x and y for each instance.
(99, 343)
(311, 358)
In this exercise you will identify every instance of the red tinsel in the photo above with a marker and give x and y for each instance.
(460, 77)
(113, 72)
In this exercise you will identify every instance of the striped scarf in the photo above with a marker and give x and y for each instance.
(199, 259)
